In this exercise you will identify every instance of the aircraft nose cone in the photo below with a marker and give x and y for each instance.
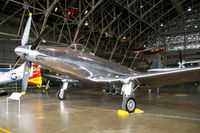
(19, 51)
(25, 52)
(22, 51)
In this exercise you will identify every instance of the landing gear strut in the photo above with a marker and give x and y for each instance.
(61, 93)
(129, 103)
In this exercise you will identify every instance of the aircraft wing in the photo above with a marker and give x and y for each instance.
(61, 77)
(158, 79)
(53, 76)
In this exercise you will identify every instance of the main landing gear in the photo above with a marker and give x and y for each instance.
(129, 103)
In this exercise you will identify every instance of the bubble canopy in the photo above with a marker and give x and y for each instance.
(80, 47)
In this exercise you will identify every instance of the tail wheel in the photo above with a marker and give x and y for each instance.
(61, 95)
(129, 104)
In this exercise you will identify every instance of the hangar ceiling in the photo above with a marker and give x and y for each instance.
(107, 27)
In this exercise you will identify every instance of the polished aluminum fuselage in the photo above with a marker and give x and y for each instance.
(76, 64)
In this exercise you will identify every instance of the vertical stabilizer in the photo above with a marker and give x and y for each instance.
(157, 63)
(36, 77)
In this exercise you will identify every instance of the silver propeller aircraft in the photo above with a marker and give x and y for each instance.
(85, 67)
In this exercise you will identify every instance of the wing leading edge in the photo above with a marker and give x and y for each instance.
(170, 77)
(157, 79)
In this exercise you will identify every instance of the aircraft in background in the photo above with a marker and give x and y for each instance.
(157, 65)
(88, 68)
(146, 51)
(190, 63)
(15, 75)
(70, 11)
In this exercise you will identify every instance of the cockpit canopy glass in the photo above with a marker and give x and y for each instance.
(80, 47)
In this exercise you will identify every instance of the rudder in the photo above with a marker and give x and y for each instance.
(36, 77)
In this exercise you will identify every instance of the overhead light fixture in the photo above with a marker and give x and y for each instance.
(124, 37)
(86, 23)
(56, 9)
(86, 12)
(141, 6)
(161, 25)
(44, 41)
(195, 26)
(189, 9)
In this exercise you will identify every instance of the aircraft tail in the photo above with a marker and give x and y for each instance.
(36, 77)
(157, 63)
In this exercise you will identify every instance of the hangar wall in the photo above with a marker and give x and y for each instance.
(7, 54)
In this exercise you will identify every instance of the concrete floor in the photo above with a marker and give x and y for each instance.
(174, 110)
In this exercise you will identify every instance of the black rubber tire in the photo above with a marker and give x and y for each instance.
(129, 104)
(61, 97)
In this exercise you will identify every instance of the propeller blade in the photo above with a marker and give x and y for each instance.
(38, 40)
(26, 33)
(26, 75)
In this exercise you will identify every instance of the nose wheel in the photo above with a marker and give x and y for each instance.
(129, 104)
(61, 94)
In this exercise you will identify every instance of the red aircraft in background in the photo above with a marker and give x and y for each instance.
(137, 48)
(146, 50)
(155, 51)
(70, 11)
